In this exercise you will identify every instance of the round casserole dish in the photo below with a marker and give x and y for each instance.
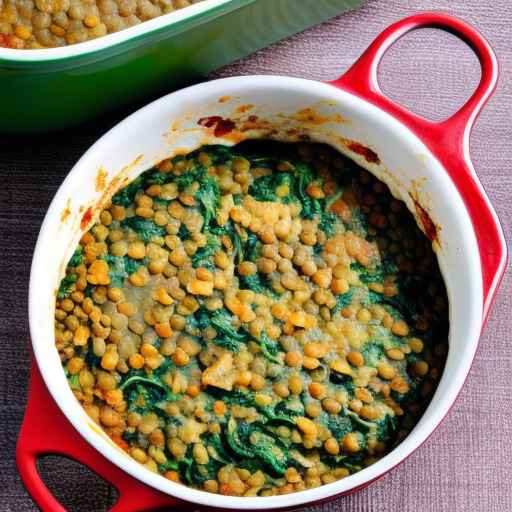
(425, 164)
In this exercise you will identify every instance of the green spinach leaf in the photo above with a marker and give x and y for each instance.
(145, 228)
(67, 285)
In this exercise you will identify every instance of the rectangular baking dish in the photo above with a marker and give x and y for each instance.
(48, 89)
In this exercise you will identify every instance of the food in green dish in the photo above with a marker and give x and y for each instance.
(36, 24)
(254, 320)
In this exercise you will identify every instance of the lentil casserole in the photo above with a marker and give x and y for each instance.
(32, 24)
(254, 320)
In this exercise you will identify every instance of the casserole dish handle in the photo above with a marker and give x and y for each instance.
(448, 140)
(45, 431)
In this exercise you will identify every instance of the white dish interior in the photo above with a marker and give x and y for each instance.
(170, 124)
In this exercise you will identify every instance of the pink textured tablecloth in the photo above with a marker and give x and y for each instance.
(466, 465)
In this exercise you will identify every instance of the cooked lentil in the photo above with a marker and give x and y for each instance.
(275, 321)
(32, 24)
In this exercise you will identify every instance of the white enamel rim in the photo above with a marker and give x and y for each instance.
(460, 265)
(101, 43)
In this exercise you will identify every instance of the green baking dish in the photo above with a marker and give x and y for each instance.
(49, 89)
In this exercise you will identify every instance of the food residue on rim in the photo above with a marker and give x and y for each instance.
(220, 125)
(252, 122)
(234, 126)
(368, 154)
(241, 109)
(108, 189)
(119, 179)
(66, 212)
(86, 218)
(310, 116)
(429, 227)
(101, 179)
(178, 152)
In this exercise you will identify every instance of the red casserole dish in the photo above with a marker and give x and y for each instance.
(466, 236)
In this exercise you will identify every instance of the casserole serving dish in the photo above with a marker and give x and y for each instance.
(425, 164)
(54, 88)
